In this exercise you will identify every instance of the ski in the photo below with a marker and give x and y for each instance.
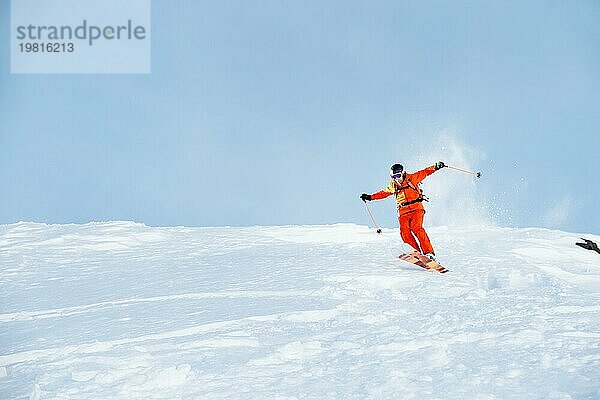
(416, 258)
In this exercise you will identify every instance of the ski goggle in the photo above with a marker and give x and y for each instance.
(399, 175)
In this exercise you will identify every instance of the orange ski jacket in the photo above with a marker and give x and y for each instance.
(409, 196)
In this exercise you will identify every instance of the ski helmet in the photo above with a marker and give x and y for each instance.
(397, 170)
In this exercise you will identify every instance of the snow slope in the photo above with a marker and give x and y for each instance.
(119, 310)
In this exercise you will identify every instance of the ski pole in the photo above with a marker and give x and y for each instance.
(372, 219)
(477, 174)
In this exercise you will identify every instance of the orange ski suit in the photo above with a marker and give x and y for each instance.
(410, 208)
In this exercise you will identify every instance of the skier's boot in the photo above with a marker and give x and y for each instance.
(431, 256)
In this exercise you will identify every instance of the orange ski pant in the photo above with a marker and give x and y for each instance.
(411, 225)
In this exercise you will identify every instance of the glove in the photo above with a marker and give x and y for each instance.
(439, 165)
(365, 197)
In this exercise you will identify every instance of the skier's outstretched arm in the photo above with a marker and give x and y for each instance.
(382, 194)
(424, 173)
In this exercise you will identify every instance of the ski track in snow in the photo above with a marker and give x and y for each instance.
(119, 310)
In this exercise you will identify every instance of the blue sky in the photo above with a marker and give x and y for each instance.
(281, 112)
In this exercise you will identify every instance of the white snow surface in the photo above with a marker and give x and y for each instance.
(120, 310)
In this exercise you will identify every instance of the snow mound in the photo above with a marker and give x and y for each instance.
(121, 310)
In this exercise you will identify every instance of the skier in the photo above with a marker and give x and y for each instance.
(409, 199)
